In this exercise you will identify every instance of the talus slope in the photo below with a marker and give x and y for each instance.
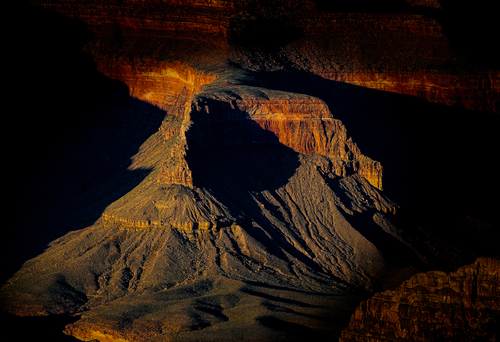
(233, 207)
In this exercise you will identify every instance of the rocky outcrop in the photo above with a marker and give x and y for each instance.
(252, 116)
(255, 116)
(169, 86)
(247, 116)
(175, 169)
(459, 306)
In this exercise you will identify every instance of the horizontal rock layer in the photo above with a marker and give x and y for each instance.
(300, 122)
(168, 86)
(406, 53)
(428, 3)
(471, 91)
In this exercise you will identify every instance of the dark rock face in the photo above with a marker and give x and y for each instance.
(222, 181)
(434, 306)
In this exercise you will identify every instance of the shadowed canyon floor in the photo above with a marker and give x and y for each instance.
(216, 171)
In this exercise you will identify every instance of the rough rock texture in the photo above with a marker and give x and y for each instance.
(220, 177)
(168, 86)
(300, 122)
(434, 306)
(268, 232)
(406, 53)
(401, 53)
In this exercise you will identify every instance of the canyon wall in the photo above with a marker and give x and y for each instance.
(249, 211)
(169, 86)
(433, 306)
(474, 91)
(406, 53)
(300, 122)
(192, 19)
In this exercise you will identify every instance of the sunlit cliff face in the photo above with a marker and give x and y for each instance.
(256, 169)
(169, 86)
(403, 52)
(384, 51)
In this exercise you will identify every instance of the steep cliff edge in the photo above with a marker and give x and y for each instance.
(434, 306)
(303, 123)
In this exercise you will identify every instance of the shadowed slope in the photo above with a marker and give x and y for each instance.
(256, 211)
(413, 139)
(79, 130)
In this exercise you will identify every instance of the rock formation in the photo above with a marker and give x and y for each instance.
(406, 53)
(228, 179)
(434, 306)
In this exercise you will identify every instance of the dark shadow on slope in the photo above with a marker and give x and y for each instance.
(394, 251)
(234, 173)
(282, 288)
(233, 156)
(46, 328)
(438, 160)
(73, 133)
(230, 154)
(280, 300)
(293, 331)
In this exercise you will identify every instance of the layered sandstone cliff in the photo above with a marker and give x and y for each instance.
(169, 86)
(406, 53)
(239, 119)
(252, 116)
(434, 306)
